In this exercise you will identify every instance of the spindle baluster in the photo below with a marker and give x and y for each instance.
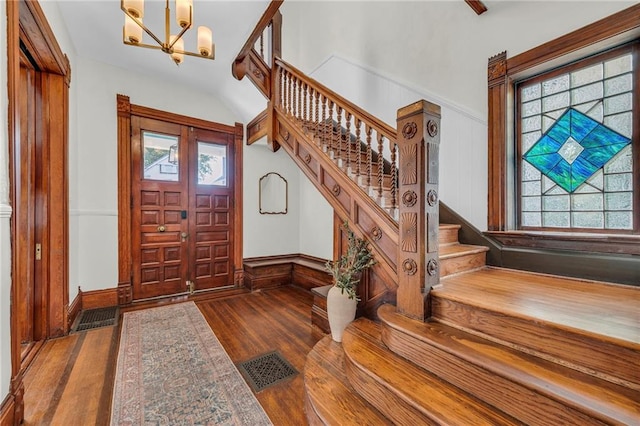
(339, 136)
(394, 176)
(369, 157)
(348, 142)
(380, 165)
(358, 148)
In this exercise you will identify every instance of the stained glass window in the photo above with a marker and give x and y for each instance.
(575, 146)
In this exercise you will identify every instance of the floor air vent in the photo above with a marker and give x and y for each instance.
(266, 370)
(95, 318)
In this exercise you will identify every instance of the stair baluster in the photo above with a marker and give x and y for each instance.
(369, 159)
(329, 128)
(316, 97)
(348, 143)
(358, 149)
(339, 137)
(380, 168)
(394, 180)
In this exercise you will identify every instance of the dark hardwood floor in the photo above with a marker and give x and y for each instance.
(71, 380)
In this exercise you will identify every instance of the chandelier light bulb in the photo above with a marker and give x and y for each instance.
(183, 12)
(132, 31)
(176, 50)
(134, 7)
(205, 41)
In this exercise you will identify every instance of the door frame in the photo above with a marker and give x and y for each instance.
(125, 197)
(27, 26)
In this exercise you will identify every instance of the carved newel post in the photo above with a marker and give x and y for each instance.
(418, 267)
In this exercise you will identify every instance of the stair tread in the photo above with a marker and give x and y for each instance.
(613, 314)
(327, 386)
(438, 401)
(452, 250)
(598, 397)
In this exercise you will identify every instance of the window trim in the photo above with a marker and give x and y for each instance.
(503, 72)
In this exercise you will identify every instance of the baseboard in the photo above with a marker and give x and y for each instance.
(276, 271)
(7, 411)
(74, 309)
(99, 298)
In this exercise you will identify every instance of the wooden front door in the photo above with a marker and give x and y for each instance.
(182, 201)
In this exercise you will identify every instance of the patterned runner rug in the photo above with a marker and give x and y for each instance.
(172, 370)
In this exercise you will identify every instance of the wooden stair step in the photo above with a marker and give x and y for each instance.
(513, 381)
(329, 398)
(319, 309)
(404, 392)
(574, 322)
(448, 234)
(457, 258)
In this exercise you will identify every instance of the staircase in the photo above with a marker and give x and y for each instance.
(443, 339)
(501, 347)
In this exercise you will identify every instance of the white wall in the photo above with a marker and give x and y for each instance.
(96, 181)
(463, 148)
(398, 52)
(5, 217)
(316, 221)
(269, 234)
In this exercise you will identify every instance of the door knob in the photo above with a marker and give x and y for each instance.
(184, 236)
(161, 228)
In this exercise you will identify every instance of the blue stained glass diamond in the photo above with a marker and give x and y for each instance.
(573, 149)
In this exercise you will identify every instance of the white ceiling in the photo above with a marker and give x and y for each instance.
(95, 28)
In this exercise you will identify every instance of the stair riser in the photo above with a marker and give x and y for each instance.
(384, 399)
(463, 263)
(513, 398)
(448, 236)
(583, 352)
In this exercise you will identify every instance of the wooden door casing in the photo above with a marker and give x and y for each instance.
(211, 223)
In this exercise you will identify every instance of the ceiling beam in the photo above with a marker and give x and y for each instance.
(477, 5)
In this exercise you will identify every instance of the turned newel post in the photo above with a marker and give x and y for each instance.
(418, 267)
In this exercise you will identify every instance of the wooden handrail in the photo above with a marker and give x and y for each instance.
(373, 121)
(262, 24)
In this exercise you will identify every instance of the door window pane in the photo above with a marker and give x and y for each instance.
(160, 157)
(212, 164)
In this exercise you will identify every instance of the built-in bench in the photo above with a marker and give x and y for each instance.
(300, 270)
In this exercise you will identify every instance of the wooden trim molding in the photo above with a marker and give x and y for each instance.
(615, 29)
(257, 128)
(75, 307)
(28, 32)
(478, 6)
(125, 111)
(7, 411)
(99, 298)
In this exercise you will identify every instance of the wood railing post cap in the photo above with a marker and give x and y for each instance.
(419, 107)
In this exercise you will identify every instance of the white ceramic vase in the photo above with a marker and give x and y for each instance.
(341, 311)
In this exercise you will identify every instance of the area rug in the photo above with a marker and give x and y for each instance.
(172, 370)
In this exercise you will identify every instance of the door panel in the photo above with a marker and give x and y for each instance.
(211, 223)
(160, 256)
(182, 210)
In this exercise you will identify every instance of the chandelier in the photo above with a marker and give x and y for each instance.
(173, 44)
